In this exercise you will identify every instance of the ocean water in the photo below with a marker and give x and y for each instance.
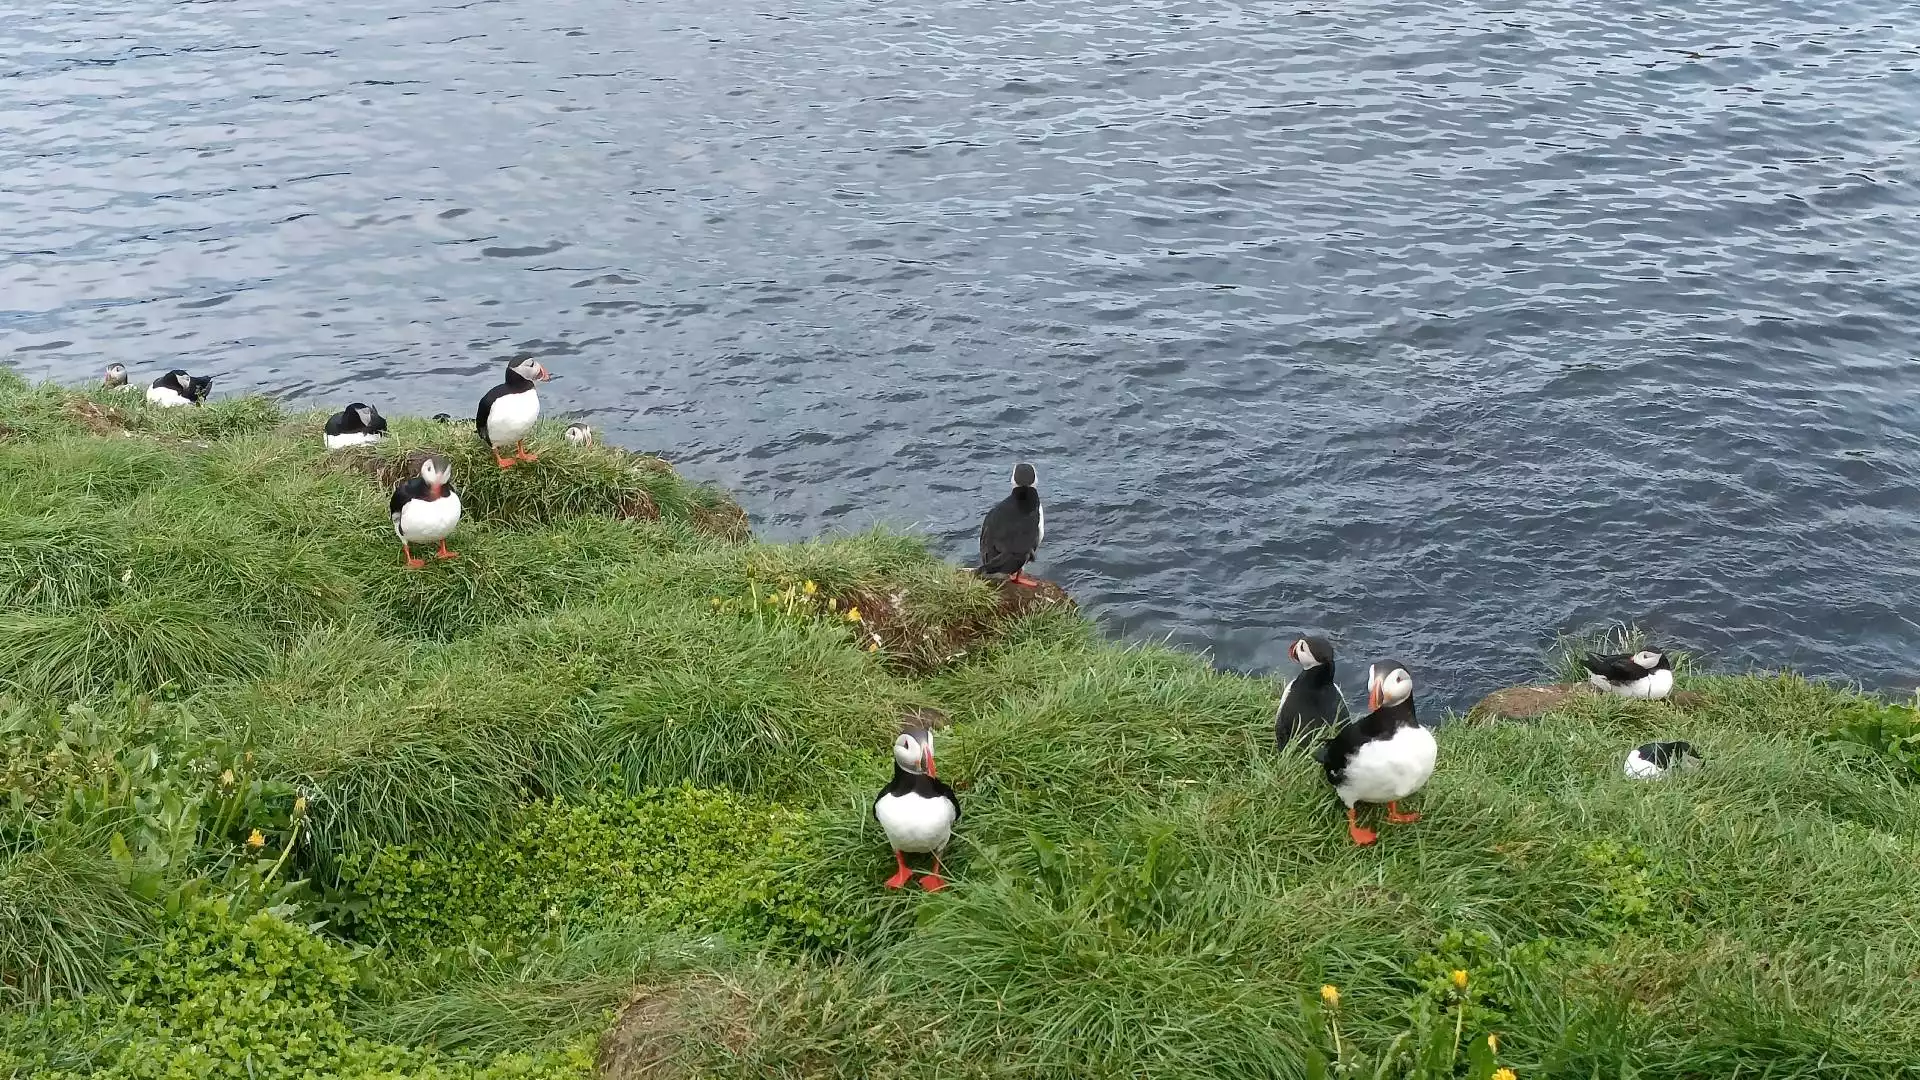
(1437, 328)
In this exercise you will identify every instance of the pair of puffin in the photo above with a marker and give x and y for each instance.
(1383, 757)
(1010, 534)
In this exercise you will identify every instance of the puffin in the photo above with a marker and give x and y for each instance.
(116, 376)
(356, 425)
(579, 434)
(509, 411)
(199, 388)
(444, 418)
(917, 810)
(425, 508)
(1653, 760)
(173, 390)
(1384, 756)
(1011, 534)
(1312, 701)
(1646, 674)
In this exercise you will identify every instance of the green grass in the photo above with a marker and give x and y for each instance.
(1141, 888)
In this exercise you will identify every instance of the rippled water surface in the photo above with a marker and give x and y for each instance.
(1437, 327)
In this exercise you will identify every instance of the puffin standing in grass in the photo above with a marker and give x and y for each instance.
(1651, 761)
(1384, 756)
(509, 411)
(426, 509)
(1647, 674)
(356, 425)
(917, 811)
(1312, 701)
(173, 390)
(1011, 534)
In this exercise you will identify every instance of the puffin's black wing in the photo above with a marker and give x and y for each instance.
(337, 423)
(1010, 535)
(933, 788)
(403, 493)
(486, 408)
(379, 425)
(1618, 668)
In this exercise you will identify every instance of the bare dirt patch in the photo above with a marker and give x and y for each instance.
(660, 1033)
(920, 644)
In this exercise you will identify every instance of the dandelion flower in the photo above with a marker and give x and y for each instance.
(1503, 1074)
(1459, 979)
(226, 778)
(1493, 1042)
(810, 588)
(299, 805)
(1331, 995)
(256, 839)
(853, 614)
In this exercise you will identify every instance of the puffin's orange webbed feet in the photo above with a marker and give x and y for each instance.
(1361, 836)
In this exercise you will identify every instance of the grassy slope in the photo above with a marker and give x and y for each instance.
(1142, 888)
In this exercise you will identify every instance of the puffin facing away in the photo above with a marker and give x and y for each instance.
(917, 811)
(199, 388)
(579, 434)
(356, 425)
(1011, 534)
(1384, 756)
(1312, 701)
(172, 390)
(1646, 674)
(424, 509)
(509, 411)
(116, 376)
(1654, 760)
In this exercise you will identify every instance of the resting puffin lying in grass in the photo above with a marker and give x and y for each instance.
(1646, 674)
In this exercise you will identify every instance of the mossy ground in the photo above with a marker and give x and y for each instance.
(207, 631)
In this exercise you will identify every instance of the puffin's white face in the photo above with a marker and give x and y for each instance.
(530, 369)
(116, 374)
(366, 416)
(579, 434)
(1303, 654)
(436, 473)
(1388, 686)
(908, 754)
(1647, 659)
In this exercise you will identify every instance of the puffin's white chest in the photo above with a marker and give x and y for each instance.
(1388, 769)
(1654, 686)
(428, 519)
(512, 416)
(915, 822)
(352, 438)
(1639, 768)
(167, 397)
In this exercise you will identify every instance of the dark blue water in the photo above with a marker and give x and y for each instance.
(1440, 327)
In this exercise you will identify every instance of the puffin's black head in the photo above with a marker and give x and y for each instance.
(913, 751)
(1653, 660)
(1388, 683)
(528, 368)
(176, 379)
(1677, 751)
(1024, 475)
(116, 375)
(445, 418)
(1311, 651)
(437, 472)
(199, 387)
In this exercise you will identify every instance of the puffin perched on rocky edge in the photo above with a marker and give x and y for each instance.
(916, 810)
(1646, 674)
(1384, 756)
(425, 509)
(1312, 702)
(509, 411)
(356, 425)
(1011, 534)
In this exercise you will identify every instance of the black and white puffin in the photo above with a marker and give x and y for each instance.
(116, 376)
(1654, 760)
(356, 425)
(509, 411)
(1312, 701)
(1646, 674)
(444, 418)
(579, 434)
(1011, 534)
(199, 388)
(917, 810)
(173, 389)
(1384, 756)
(425, 509)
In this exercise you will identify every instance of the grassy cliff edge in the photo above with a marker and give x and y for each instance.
(593, 798)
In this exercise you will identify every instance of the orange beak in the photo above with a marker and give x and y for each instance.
(540, 372)
(927, 743)
(1373, 694)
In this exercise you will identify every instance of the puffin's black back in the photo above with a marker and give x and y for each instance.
(1620, 668)
(1378, 724)
(1312, 703)
(1666, 754)
(512, 384)
(1010, 535)
(927, 787)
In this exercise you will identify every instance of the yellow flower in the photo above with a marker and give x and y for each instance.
(299, 806)
(1503, 1074)
(226, 778)
(874, 647)
(853, 614)
(810, 588)
(1331, 995)
(1459, 979)
(256, 839)
(1493, 1042)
